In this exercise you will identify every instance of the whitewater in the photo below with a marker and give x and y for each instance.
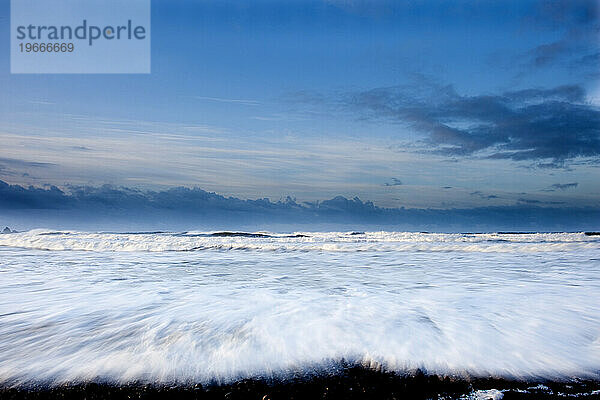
(220, 306)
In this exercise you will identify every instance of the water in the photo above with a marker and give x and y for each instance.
(200, 307)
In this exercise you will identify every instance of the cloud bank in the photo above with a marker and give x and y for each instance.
(119, 208)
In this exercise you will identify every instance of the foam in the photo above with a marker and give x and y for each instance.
(299, 241)
(129, 307)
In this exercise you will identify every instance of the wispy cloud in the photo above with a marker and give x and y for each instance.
(225, 100)
(561, 186)
(24, 163)
(482, 195)
(42, 102)
(578, 20)
(540, 202)
(394, 182)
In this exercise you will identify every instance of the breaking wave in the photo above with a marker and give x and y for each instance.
(299, 241)
(125, 307)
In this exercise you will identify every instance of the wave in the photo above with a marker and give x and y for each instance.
(300, 241)
(154, 307)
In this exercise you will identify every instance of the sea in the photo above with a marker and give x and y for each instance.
(213, 308)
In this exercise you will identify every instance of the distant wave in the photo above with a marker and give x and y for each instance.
(299, 241)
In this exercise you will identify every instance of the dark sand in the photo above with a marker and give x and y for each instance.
(349, 383)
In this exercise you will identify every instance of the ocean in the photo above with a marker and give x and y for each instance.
(215, 308)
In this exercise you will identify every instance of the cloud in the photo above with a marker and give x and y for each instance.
(483, 195)
(560, 13)
(225, 100)
(578, 22)
(565, 186)
(394, 182)
(549, 126)
(14, 162)
(109, 207)
(18, 167)
(533, 201)
(561, 186)
(42, 102)
(551, 53)
(590, 60)
(547, 53)
(18, 197)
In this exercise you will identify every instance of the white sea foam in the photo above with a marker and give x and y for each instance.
(300, 241)
(146, 307)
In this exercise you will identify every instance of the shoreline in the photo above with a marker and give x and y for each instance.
(355, 382)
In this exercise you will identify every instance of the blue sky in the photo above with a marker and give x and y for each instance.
(417, 104)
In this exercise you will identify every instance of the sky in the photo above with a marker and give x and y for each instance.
(415, 104)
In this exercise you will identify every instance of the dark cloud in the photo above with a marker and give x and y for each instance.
(179, 199)
(18, 197)
(109, 207)
(561, 186)
(548, 126)
(394, 182)
(551, 165)
(529, 201)
(483, 195)
(572, 47)
(540, 202)
(578, 22)
(590, 60)
(559, 14)
(547, 53)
